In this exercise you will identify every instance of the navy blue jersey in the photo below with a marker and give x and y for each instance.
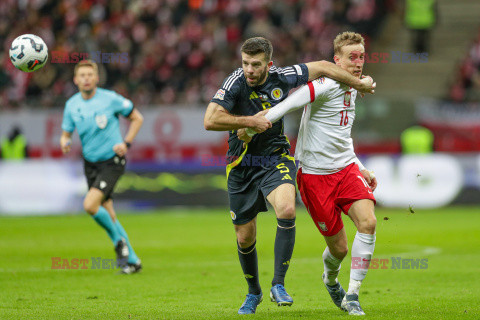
(238, 98)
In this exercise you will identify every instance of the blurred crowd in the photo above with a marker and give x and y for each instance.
(466, 84)
(179, 51)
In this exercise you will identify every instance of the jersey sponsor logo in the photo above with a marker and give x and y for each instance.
(277, 94)
(263, 97)
(347, 98)
(101, 121)
(322, 226)
(321, 80)
(234, 216)
(220, 95)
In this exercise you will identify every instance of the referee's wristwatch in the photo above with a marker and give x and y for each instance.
(128, 144)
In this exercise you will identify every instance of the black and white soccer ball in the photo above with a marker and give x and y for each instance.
(28, 52)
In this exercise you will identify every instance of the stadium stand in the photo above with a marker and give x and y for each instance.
(178, 50)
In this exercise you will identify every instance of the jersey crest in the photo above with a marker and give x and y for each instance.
(101, 121)
(347, 98)
(276, 93)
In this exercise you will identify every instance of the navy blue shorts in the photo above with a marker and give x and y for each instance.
(252, 180)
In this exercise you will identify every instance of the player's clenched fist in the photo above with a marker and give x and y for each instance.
(120, 149)
(65, 144)
(242, 135)
(260, 123)
(368, 85)
(369, 176)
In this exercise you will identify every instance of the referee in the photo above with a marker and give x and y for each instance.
(95, 112)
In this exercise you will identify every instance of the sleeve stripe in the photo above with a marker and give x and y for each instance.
(234, 76)
(312, 91)
(285, 71)
(299, 70)
(229, 86)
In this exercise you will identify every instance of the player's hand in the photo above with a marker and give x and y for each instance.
(120, 149)
(367, 85)
(65, 144)
(260, 123)
(370, 178)
(242, 135)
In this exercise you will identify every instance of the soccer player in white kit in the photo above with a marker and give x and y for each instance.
(330, 178)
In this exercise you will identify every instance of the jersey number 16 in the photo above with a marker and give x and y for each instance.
(344, 118)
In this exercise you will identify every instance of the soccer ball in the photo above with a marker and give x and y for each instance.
(28, 52)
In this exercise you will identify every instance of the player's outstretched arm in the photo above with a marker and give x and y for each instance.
(217, 118)
(331, 70)
(136, 122)
(66, 141)
(295, 101)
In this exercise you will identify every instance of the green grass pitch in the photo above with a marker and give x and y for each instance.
(191, 268)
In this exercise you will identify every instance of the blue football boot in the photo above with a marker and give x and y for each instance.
(352, 306)
(250, 304)
(279, 295)
(336, 293)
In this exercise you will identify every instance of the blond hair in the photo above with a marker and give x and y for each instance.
(86, 63)
(345, 39)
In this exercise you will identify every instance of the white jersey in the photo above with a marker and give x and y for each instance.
(324, 144)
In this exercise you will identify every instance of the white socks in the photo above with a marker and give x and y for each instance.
(362, 251)
(332, 267)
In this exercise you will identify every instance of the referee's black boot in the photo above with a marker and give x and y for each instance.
(121, 250)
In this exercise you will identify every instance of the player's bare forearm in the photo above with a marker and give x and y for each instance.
(218, 119)
(331, 70)
(136, 119)
(66, 141)
(136, 123)
(222, 121)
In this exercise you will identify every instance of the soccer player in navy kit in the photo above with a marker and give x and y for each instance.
(263, 169)
(95, 112)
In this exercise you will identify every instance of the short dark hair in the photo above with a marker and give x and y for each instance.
(256, 45)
